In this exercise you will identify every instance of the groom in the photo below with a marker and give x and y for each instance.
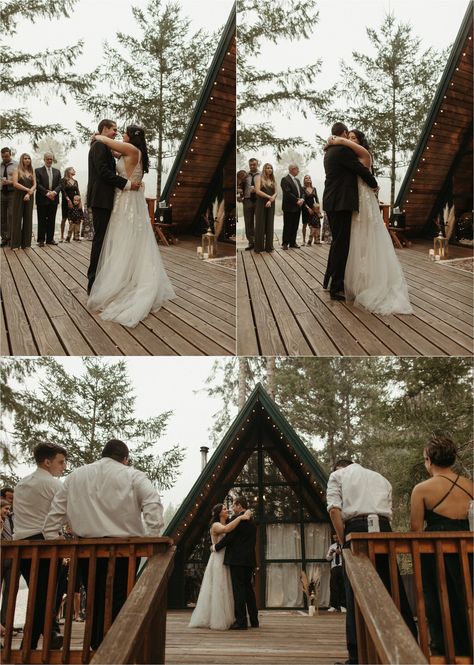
(341, 198)
(101, 185)
(240, 557)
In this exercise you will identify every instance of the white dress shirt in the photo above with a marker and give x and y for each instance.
(105, 499)
(332, 555)
(358, 491)
(33, 497)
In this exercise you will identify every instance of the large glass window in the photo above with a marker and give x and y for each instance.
(283, 541)
(283, 585)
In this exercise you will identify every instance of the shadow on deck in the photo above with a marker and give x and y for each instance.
(282, 308)
(44, 306)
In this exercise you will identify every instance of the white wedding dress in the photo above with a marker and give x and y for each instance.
(131, 280)
(215, 605)
(374, 279)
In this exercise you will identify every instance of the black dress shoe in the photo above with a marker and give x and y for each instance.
(4, 243)
(255, 625)
(338, 296)
(249, 246)
(295, 246)
(53, 242)
(284, 246)
(56, 641)
(237, 626)
(41, 244)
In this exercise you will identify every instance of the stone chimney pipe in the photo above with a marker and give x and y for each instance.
(204, 451)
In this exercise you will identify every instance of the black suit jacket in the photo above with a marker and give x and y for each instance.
(290, 194)
(240, 545)
(342, 168)
(42, 186)
(103, 178)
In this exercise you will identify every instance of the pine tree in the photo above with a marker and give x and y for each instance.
(27, 76)
(154, 79)
(387, 94)
(261, 92)
(82, 412)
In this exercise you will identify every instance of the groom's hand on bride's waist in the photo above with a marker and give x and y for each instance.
(135, 186)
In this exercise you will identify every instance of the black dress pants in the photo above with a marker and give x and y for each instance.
(244, 595)
(383, 570)
(340, 225)
(46, 222)
(291, 222)
(100, 217)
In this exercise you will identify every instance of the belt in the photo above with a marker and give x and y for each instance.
(363, 518)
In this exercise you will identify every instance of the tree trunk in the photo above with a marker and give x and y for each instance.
(271, 376)
(159, 161)
(394, 145)
(243, 375)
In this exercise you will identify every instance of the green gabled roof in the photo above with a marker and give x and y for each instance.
(206, 92)
(258, 396)
(443, 86)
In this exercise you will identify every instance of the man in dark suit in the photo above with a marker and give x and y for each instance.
(292, 201)
(101, 185)
(240, 557)
(341, 198)
(48, 186)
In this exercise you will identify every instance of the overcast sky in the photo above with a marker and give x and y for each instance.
(340, 31)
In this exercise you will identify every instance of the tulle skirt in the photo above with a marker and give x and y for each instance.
(131, 280)
(215, 606)
(374, 279)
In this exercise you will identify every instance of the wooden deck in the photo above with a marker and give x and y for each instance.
(283, 309)
(44, 307)
(283, 637)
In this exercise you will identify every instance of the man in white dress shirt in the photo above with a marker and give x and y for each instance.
(33, 497)
(360, 500)
(106, 499)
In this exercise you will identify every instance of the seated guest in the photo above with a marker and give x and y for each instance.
(442, 502)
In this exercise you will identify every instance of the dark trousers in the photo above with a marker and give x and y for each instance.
(39, 612)
(383, 570)
(119, 593)
(6, 213)
(340, 224)
(336, 588)
(264, 222)
(46, 222)
(6, 576)
(291, 222)
(244, 595)
(100, 217)
(249, 219)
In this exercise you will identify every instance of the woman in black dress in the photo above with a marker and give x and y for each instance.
(24, 183)
(69, 189)
(310, 211)
(443, 502)
(265, 188)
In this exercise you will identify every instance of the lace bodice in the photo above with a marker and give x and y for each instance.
(137, 173)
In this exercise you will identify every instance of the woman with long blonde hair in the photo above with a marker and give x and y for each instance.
(24, 183)
(265, 188)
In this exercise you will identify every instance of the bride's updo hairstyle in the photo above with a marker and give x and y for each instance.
(441, 451)
(136, 135)
(216, 511)
(361, 138)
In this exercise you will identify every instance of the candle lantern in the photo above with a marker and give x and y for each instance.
(440, 245)
(209, 245)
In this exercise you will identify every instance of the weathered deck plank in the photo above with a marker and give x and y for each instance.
(44, 306)
(441, 295)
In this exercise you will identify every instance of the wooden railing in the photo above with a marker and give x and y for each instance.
(382, 635)
(101, 555)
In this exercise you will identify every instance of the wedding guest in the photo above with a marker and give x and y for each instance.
(7, 167)
(24, 183)
(241, 177)
(265, 187)
(69, 189)
(356, 495)
(291, 206)
(6, 494)
(442, 503)
(337, 596)
(310, 211)
(75, 216)
(106, 499)
(33, 497)
(250, 202)
(326, 235)
(48, 186)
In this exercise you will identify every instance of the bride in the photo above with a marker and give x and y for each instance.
(131, 280)
(373, 278)
(215, 605)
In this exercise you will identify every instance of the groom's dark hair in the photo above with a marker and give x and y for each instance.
(338, 129)
(242, 501)
(105, 123)
(116, 450)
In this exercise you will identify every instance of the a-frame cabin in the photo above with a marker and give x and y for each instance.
(204, 168)
(440, 170)
(262, 458)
